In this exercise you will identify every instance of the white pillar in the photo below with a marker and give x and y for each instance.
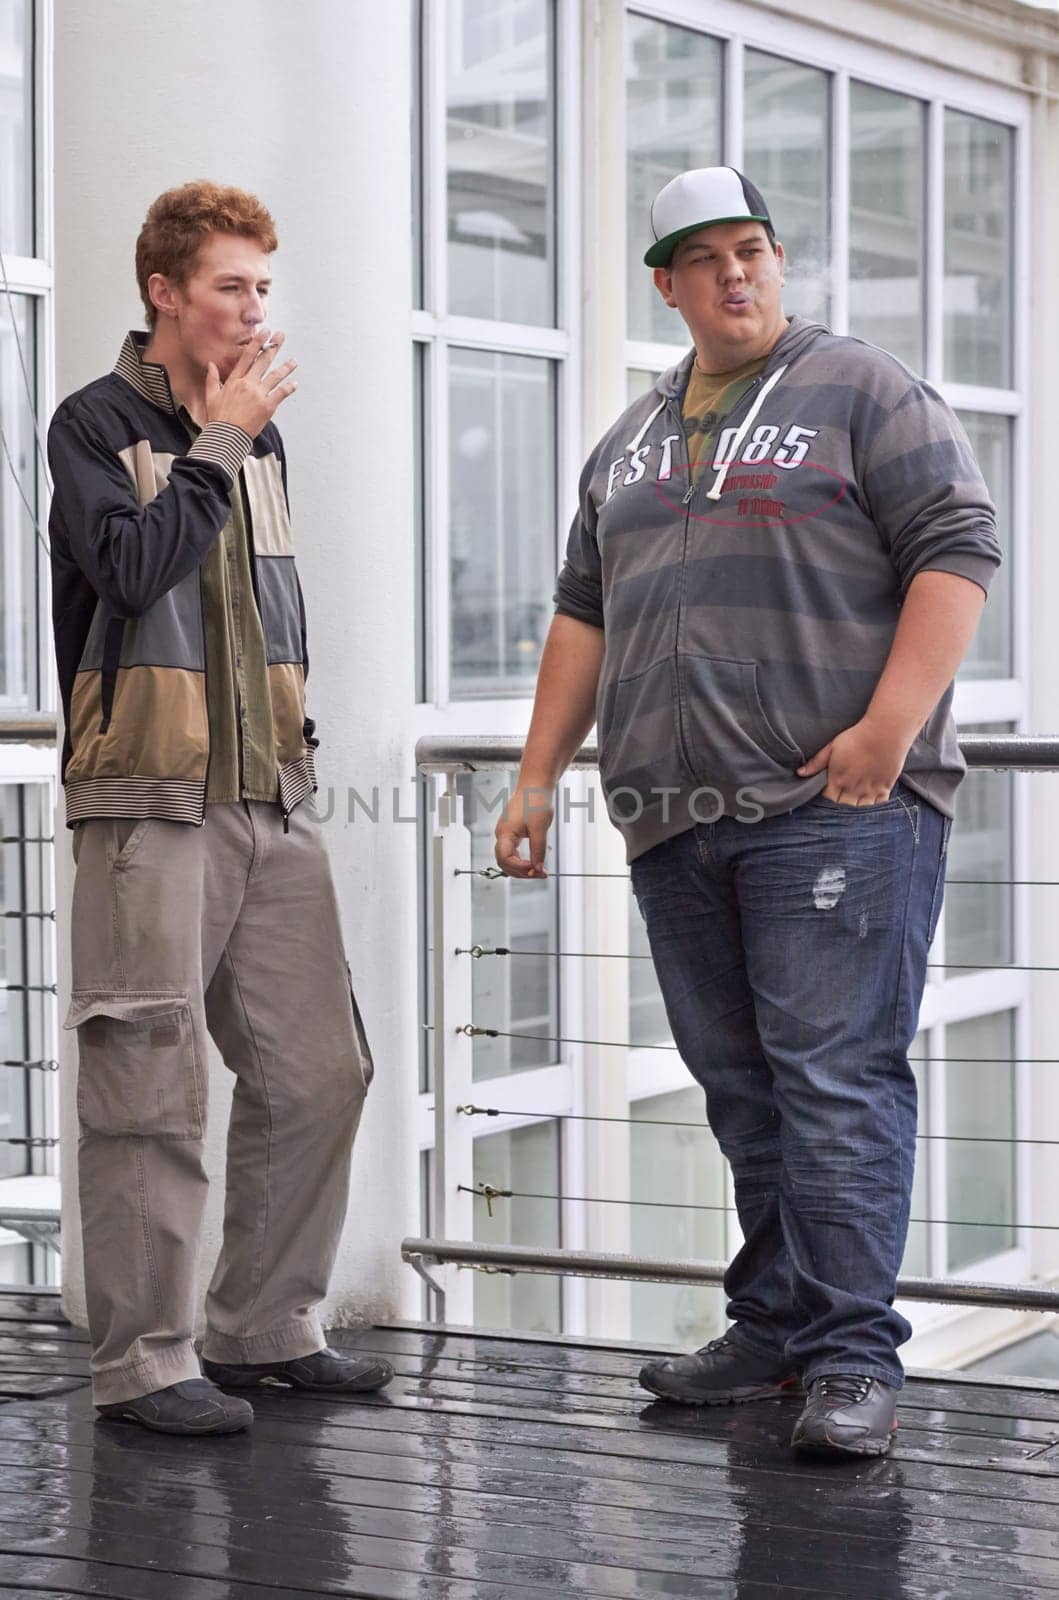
(308, 107)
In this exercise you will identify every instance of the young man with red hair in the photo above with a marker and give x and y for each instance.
(203, 901)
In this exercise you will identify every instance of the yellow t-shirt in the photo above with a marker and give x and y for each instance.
(707, 401)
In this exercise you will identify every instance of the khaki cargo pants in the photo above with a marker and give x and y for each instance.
(230, 929)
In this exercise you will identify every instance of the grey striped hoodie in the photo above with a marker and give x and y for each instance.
(749, 615)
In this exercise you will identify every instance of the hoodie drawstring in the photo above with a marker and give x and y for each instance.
(744, 429)
(634, 444)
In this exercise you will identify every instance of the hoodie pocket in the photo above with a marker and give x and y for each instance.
(639, 745)
(139, 1071)
(728, 735)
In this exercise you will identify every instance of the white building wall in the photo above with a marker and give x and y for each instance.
(307, 107)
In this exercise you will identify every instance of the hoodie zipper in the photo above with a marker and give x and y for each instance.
(675, 412)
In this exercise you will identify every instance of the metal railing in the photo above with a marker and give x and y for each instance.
(450, 1244)
(36, 1225)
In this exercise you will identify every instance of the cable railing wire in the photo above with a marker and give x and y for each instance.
(472, 1031)
(495, 873)
(478, 951)
(489, 1192)
(704, 1127)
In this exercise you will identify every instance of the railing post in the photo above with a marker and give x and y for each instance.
(453, 1050)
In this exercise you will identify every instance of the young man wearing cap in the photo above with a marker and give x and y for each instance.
(203, 903)
(779, 559)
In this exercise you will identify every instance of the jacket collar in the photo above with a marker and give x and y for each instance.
(149, 378)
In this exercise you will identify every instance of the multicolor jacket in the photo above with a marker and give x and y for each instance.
(749, 614)
(135, 511)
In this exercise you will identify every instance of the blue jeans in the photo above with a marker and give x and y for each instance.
(792, 954)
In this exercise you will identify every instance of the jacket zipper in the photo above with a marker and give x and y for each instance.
(674, 411)
(252, 556)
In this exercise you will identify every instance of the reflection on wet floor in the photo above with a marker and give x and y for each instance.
(511, 1469)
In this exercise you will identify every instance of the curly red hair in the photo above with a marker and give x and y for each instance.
(181, 219)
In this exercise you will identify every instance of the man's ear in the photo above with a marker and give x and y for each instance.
(161, 292)
(664, 284)
(781, 258)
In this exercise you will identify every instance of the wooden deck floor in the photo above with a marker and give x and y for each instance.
(507, 1469)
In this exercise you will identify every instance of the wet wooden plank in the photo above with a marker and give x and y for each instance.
(276, 1519)
(949, 1398)
(560, 1400)
(325, 1430)
(111, 1581)
(516, 1470)
(516, 1359)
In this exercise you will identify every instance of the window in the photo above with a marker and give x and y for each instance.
(501, 506)
(492, 335)
(786, 140)
(526, 1161)
(978, 254)
(495, 246)
(28, 1098)
(887, 153)
(678, 1170)
(673, 122)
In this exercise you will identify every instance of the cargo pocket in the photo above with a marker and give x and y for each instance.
(139, 1070)
(367, 1064)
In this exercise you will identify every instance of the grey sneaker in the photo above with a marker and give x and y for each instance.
(326, 1370)
(722, 1373)
(847, 1416)
(193, 1406)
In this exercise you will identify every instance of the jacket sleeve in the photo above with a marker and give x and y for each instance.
(926, 494)
(579, 592)
(133, 554)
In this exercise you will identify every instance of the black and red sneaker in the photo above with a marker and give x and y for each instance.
(722, 1373)
(847, 1416)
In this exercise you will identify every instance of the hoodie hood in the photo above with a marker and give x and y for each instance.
(799, 336)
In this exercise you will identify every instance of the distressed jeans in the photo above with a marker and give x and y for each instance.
(791, 955)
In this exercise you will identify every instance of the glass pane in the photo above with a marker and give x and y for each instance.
(16, 1007)
(673, 123)
(517, 993)
(990, 653)
(647, 1013)
(980, 1107)
(978, 916)
(423, 620)
(786, 155)
(886, 238)
(502, 519)
(978, 219)
(638, 382)
(916, 1263)
(16, 127)
(18, 500)
(501, 157)
(527, 1162)
(417, 152)
(683, 1165)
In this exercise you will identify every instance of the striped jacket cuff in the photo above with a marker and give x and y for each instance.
(224, 444)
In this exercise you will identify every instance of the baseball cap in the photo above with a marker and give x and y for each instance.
(696, 199)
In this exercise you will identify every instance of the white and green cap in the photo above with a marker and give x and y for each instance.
(697, 199)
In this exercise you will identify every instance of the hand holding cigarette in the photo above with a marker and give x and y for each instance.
(254, 389)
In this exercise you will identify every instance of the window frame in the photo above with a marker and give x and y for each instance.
(35, 767)
(553, 1089)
